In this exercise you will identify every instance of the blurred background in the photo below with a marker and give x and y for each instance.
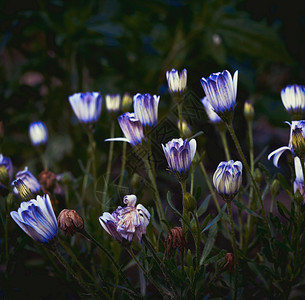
(52, 49)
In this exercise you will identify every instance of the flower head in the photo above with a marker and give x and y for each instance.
(37, 219)
(227, 179)
(214, 118)
(176, 81)
(175, 239)
(126, 222)
(296, 141)
(293, 98)
(113, 103)
(29, 180)
(179, 154)
(38, 133)
(221, 91)
(86, 106)
(146, 108)
(7, 163)
(70, 221)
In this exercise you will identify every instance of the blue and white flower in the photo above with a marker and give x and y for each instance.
(38, 133)
(227, 179)
(299, 178)
(132, 129)
(7, 163)
(113, 103)
(176, 82)
(146, 108)
(295, 126)
(293, 98)
(86, 106)
(214, 118)
(126, 222)
(29, 180)
(37, 219)
(221, 91)
(179, 154)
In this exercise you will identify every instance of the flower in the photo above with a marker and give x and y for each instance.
(126, 222)
(175, 239)
(214, 118)
(146, 108)
(176, 81)
(221, 91)
(38, 133)
(132, 129)
(113, 103)
(86, 106)
(297, 132)
(29, 180)
(37, 219)
(69, 221)
(179, 155)
(293, 98)
(126, 102)
(299, 178)
(227, 179)
(7, 163)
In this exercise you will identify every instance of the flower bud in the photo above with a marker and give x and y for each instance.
(4, 177)
(24, 191)
(126, 102)
(70, 222)
(258, 177)
(275, 187)
(186, 130)
(38, 133)
(175, 239)
(248, 111)
(298, 142)
(189, 202)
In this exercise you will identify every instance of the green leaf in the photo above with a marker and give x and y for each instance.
(242, 206)
(216, 219)
(283, 210)
(209, 243)
(204, 205)
(284, 184)
(216, 258)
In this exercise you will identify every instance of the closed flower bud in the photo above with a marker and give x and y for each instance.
(221, 90)
(4, 178)
(7, 164)
(126, 102)
(113, 103)
(248, 111)
(227, 179)
(70, 222)
(258, 177)
(275, 187)
(189, 202)
(293, 98)
(176, 82)
(38, 133)
(186, 130)
(24, 192)
(175, 239)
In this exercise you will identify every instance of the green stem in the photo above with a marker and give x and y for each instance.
(123, 164)
(6, 232)
(207, 180)
(92, 154)
(180, 118)
(242, 156)
(225, 143)
(129, 249)
(192, 182)
(197, 241)
(272, 203)
(184, 211)
(234, 246)
(109, 163)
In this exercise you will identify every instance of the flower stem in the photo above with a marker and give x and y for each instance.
(184, 211)
(233, 245)
(222, 133)
(123, 164)
(92, 154)
(109, 163)
(180, 118)
(242, 156)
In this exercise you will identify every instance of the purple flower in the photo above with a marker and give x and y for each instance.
(146, 108)
(214, 118)
(86, 106)
(176, 81)
(179, 155)
(293, 98)
(37, 219)
(7, 163)
(221, 91)
(29, 180)
(113, 103)
(38, 133)
(299, 178)
(126, 222)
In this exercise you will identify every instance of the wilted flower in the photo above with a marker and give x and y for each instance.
(229, 261)
(38, 133)
(126, 222)
(227, 179)
(179, 155)
(113, 103)
(86, 106)
(69, 221)
(37, 219)
(214, 118)
(296, 141)
(293, 98)
(175, 239)
(29, 180)
(132, 129)
(146, 108)
(47, 179)
(221, 91)
(7, 163)
(299, 178)
(176, 81)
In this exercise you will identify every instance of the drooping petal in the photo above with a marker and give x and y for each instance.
(277, 154)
